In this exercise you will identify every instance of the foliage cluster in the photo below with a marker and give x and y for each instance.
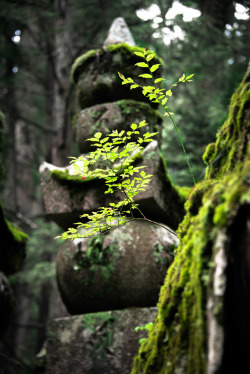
(112, 159)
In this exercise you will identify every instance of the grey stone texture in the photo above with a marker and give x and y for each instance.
(98, 343)
(117, 115)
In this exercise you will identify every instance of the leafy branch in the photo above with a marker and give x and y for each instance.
(113, 161)
(159, 95)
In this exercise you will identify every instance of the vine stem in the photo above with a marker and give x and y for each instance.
(182, 145)
(130, 220)
(175, 126)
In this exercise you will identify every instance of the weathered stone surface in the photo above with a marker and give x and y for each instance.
(118, 115)
(66, 199)
(124, 268)
(96, 75)
(98, 343)
(6, 303)
(119, 33)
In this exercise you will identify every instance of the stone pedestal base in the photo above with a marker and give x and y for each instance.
(96, 343)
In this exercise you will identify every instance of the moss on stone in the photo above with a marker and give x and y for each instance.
(178, 340)
(123, 49)
(63, 175)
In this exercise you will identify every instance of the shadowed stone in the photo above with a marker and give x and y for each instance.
(99, 343)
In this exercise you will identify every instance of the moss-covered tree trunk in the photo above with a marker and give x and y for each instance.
(203, 324)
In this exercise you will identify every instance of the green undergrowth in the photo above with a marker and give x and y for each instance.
(121, 49)
(178, 340)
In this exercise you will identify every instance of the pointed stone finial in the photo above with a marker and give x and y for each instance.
(119, 33)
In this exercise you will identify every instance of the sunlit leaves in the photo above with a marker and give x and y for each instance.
(141, 64)
(154, 67)
(114, 155)
(145, 76)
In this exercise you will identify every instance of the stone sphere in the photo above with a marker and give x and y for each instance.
(124, 268)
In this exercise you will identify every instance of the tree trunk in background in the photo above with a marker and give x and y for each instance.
(63, 61)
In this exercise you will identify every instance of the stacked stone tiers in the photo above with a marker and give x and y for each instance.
(126, 267)
(66, 197)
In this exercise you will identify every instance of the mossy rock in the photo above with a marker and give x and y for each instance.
(203, 321)
(124, 268)
(13, 242)
(96, 75)
(118, 115)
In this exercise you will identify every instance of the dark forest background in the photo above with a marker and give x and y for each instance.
(39, 41)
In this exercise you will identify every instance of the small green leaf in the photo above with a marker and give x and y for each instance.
(140, 54)
(169, 93)
(104, 140)
(91, 139)
(182, 78)
(142, 64)
(164, 101)
(134, 86)
(98, 135)
(145, 76)
(121, 76)
(142, 123)
(189, 76)
(154, 67)
(142, 173)
(149, 57)
(133, 126)
(158, 80)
